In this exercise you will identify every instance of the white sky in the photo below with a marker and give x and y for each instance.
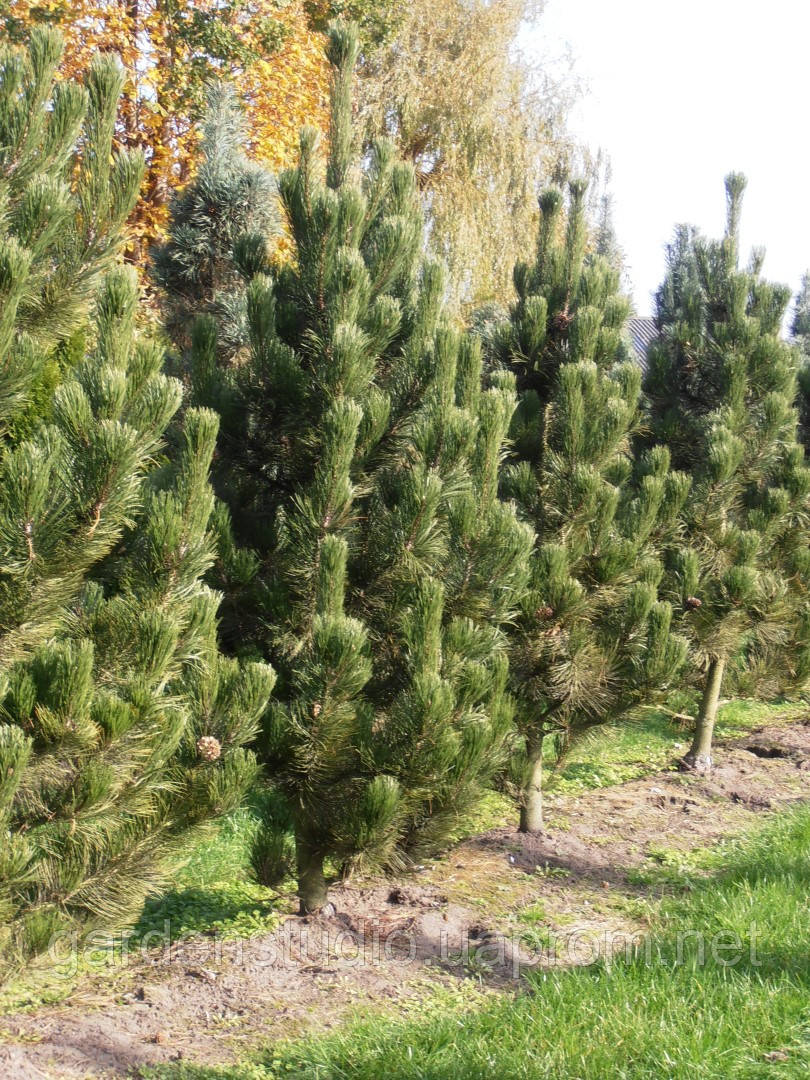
(680, 92)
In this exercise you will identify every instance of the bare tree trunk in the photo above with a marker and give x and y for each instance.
(700, 752)
(312, 890)
(129, 98)
(531, 812)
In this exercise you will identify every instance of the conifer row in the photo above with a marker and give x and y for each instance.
(347, 549)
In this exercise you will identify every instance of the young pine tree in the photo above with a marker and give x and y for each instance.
(592, 639)
(359, 459)
(800, 336)
(722, 386)
(61, 216)
(121, 728)
(220, 224)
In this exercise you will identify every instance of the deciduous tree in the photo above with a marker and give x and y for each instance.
(482, 125)
(171, 52)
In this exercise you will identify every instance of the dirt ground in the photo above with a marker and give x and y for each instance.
(464, 916)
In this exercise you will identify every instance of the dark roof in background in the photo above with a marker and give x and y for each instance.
(643, 333)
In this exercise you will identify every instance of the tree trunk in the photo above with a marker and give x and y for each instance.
(312, 892)
(700, 752)
(531, 812)
(129, 97)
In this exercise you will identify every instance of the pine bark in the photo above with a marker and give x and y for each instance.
(312, 888)
(699, 755)
(531, 812)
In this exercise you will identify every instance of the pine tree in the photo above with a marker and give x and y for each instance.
(605, 239)
(593, 639)
(800, 323)
(61, 216)
(220, 224)
(722, 386)
(121, 728)
(800, 335)
(359, 460)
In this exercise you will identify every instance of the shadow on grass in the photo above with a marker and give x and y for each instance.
(236, 908)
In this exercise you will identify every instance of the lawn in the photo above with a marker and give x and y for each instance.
(653, 740)
(215, 891)
(722, 992)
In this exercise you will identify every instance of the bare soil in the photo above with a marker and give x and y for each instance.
(390, 942)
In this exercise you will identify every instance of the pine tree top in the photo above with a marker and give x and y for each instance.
(359, 459)
(65, 195)
(719, 358)
(592, 637)
(722, 386)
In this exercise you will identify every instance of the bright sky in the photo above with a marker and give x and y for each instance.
(680, 92)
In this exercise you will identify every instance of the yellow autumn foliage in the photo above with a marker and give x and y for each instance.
(269, 49)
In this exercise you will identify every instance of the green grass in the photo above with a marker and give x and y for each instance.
(670, 1014)
(225, 909)
(215, 893)
(738, 717)
(650, 742)
(225, 856)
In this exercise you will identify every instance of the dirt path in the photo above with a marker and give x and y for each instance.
(467, 914)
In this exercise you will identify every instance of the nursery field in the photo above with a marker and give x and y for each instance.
(735, 1010)
(404, 640)
(663, 908)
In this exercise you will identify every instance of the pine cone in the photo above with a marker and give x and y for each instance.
(693, 602)
(209, 748)
(561, 322)
(544, 612)
(316, 709)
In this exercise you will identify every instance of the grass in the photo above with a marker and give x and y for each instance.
(738, 717)
(226, 856)
(672, 868)
(735, 1007)
(214, 893)
(652, 742)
